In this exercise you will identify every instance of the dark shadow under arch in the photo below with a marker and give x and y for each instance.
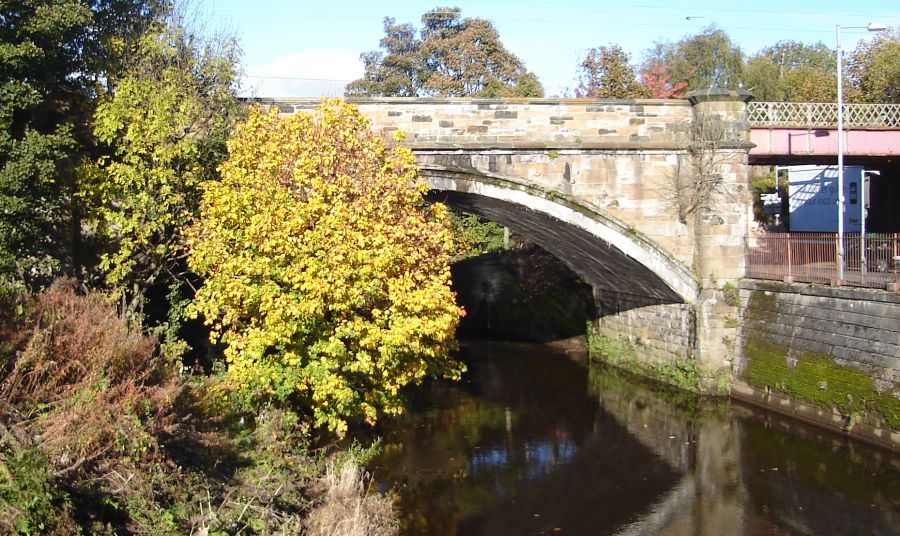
(599, 263)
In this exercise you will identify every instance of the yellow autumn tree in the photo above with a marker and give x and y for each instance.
(326, 275)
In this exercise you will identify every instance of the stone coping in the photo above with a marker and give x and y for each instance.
(469, 100)
(845, 293)
(510, 143)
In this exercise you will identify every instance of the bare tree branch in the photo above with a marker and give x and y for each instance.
(692, 184)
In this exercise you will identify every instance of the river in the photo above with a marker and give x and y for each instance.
(537, 440)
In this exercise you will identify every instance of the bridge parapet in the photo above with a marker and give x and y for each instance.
(803, 132)
(823, 115)
(547, 124)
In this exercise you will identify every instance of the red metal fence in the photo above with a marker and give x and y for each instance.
(812, 258)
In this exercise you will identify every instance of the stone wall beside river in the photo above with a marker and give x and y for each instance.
(830, 355)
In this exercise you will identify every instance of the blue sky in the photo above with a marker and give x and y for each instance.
(305, 48)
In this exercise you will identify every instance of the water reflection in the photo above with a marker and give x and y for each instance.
(535, 441)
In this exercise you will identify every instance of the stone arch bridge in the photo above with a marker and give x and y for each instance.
(598, 183)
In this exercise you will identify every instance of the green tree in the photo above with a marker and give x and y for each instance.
(395, 70)
(55, 56)
(606, 73)
(765, 79)
(474, 235)
(452, 57)
(708, 59)
(874, 69)
(792, 71)
(165, 124)
(326, 276)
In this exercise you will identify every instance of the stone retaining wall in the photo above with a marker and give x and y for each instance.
(823, 354)
(658, 333)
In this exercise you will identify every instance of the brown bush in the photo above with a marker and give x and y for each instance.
(87, 384)
(98, 435)
(346, 509)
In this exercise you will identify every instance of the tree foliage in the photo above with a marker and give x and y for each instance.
(474, 235)
(874, 69)
(165, 124)
(708, 59)
(452, 57)
(54, 58)
(657, 82)
(792, 71)
(325, 275)
(395, 70)
(606, 73)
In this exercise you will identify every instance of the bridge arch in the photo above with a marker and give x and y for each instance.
(605, 252)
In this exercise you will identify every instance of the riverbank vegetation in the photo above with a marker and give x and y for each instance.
(473, 235)
(323, 277)
(681, 372)
(194, 294)
(101, 433)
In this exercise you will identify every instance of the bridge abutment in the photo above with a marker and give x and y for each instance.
(692, 344)
(719, 153)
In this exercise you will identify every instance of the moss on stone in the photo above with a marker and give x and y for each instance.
(688, 406)
(614, 351)
(761, 307)
(682, 372)
(818, 380)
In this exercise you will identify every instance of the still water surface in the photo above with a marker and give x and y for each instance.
(535, 440)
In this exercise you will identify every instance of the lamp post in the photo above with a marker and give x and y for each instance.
(872, 27)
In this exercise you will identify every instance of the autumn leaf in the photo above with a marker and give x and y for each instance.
(325, 276)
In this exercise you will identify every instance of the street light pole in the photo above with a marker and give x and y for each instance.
(840, 158)
(872, 27)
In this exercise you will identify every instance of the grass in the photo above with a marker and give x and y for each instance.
(346, 509)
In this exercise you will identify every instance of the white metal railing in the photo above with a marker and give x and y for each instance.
(822, 115)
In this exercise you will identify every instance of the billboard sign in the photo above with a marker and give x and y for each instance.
(812, 192)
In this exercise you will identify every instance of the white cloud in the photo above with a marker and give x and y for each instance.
(308, 73)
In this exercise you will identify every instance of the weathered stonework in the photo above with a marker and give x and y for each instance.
(604, 167)
(721, 222)
(661, 333)
(591, 181)
(590, 150)
(828, 355)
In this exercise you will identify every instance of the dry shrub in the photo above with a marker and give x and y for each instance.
(87, 384)
(99, 436)
(346, 508)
